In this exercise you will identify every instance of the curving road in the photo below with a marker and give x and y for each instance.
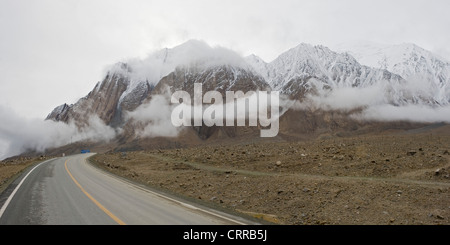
(69, 191)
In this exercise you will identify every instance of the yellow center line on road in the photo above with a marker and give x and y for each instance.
(119, 221)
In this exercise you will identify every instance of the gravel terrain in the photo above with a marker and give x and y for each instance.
(395, 178)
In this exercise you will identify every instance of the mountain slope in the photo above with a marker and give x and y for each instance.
(128, 85)
(308, 68)
(306, 73)
(107, 100)
(427, 73)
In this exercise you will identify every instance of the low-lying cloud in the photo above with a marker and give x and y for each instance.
(162, 117)
(155, 118)
(18, 134)
(414, 113)
(348, 98)
(381, 102)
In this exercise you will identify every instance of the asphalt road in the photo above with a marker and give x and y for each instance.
(69, 191)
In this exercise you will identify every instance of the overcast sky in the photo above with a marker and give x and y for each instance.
(55, 51)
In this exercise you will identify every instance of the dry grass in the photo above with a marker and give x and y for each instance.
(10, 169)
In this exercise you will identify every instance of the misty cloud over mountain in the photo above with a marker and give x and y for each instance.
(18, 134)
(134, 94)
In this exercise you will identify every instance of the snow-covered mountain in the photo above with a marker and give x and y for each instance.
(428, 74)
(402, 75)
(193, 53)
(128, 84)
(308, 68)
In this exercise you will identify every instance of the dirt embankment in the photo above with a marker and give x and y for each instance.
(388, 179)
(10, 169)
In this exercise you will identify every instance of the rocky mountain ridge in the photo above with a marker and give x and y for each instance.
(298, 73)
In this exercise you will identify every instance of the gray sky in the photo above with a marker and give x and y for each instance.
(54, 51)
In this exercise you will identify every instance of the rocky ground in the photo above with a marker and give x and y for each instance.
(400, 177)
(395, 178)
